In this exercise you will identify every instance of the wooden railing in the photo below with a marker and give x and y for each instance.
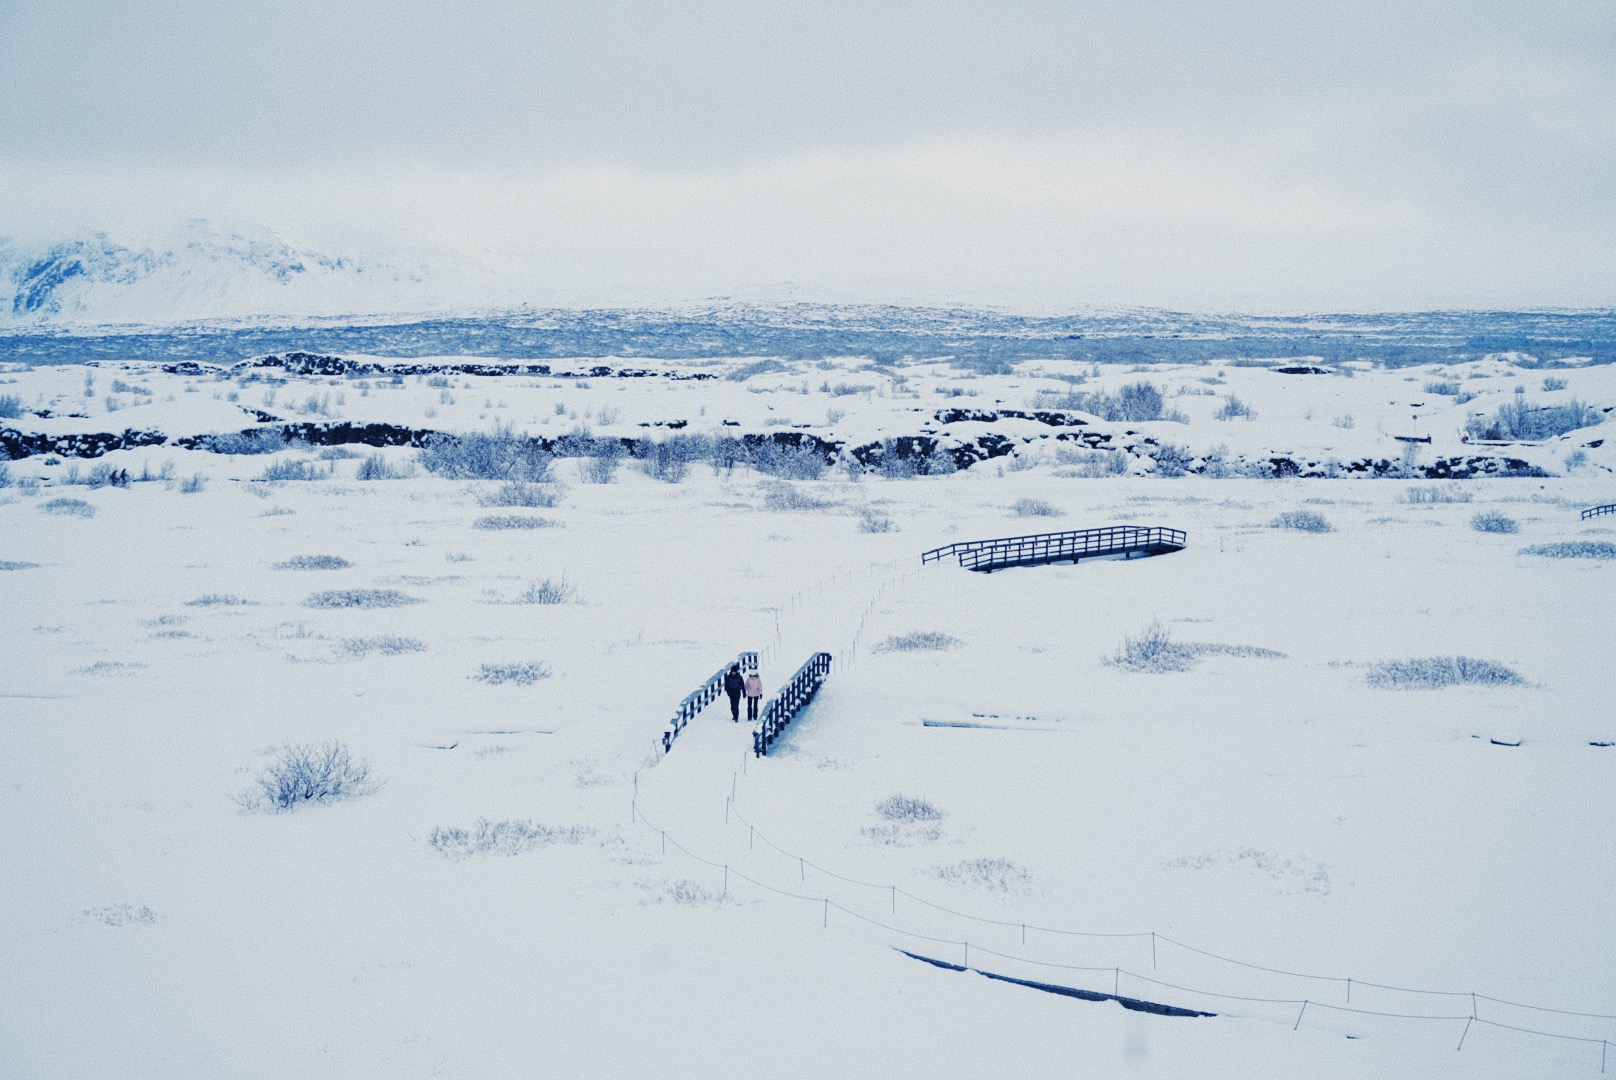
(703, 696)
(1595, 511)
(1040, 548)
(793, 697)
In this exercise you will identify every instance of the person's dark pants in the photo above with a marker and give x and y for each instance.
(735, 706)
(752, 704)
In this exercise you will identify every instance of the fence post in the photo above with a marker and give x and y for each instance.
(1300, 1015)
(1465, 1032)
(1153, 953)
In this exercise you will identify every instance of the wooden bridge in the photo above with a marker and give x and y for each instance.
(1035, 550)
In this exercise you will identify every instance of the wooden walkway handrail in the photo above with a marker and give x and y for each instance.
(793, 697)
(702, 696)
(1039, 548)
(1595, 511)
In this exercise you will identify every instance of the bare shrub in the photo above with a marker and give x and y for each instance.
(1303, 521)
(1235, 409)
(522, 673)
(1492, 521)
(219, 600)
(302, 773)
(873, 521)
(386, 644)
(503, 838)
(548, 591)
(1153, 650)
(1435, 672)
(907, 808)
(1551, 383)
(1573, 549)
(919, 641)
(1519, 420)
(294, 470)
(1034, 508)
(1091, 464)
(7, 564)
(993, 874)
(779, 495)
(1439, 493)
(252, 441)
(522, 493)
(512, 521)
(68, 508)
(360, 598)
(314, 562)
(495, 455)
(193, 485)
(375, 467)
(10, 406)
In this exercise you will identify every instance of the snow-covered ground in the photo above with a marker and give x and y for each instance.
(1277, 810)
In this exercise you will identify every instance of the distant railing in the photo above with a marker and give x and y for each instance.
(703, 696)
(1595, 511)
(793, 697)
(1039, 548)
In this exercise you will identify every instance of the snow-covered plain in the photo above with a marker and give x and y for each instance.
(1276, 810)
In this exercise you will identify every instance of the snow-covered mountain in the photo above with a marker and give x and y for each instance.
(202, 272)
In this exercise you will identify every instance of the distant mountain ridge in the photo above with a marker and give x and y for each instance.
(201, 273)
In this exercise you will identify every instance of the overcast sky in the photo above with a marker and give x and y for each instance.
(1253, 155)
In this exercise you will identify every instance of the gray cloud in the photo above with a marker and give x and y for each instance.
(1387, 152)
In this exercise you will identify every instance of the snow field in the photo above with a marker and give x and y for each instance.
(1279, 811)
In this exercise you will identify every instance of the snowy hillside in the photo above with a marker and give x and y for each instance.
(202, 273)
(1324, 794)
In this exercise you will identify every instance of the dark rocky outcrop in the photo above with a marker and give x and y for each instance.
(20, 444)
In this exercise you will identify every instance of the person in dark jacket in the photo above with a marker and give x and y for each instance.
(733, 685)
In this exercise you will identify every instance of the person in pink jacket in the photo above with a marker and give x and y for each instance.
(754, 694)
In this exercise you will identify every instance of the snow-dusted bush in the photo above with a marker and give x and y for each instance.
(386, 644)
(5, 475)
(1235, 409)
(293, 470)
(7, 564)
(219, 600)
(522, 493)
(360, 598)
(10, 406)
(907, 808)
(919, 641)
(503, 838)
(1519, 420)
(601, 469)
(1303, 521)
(512, 521)
(1576, 460)
(193, 484)
(1171, 460)
(1445, 388)
(121, 915)
(873, 521)
(787, 462)
(1573, 549)
(375, 467)
(996, 875)
(314, 562)
(1492, 521)
(1434, 672)
(1437, 493)
(1153, 650)
(756, 367)
(254, 441)
(779, 495)
(1551, 383)
(548, 591)
(522, 673)
(1034, 508)
(68, 508)
(303, 773)
(495, 455)
(1091, 464)
(1138, 401)
(339, 453)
